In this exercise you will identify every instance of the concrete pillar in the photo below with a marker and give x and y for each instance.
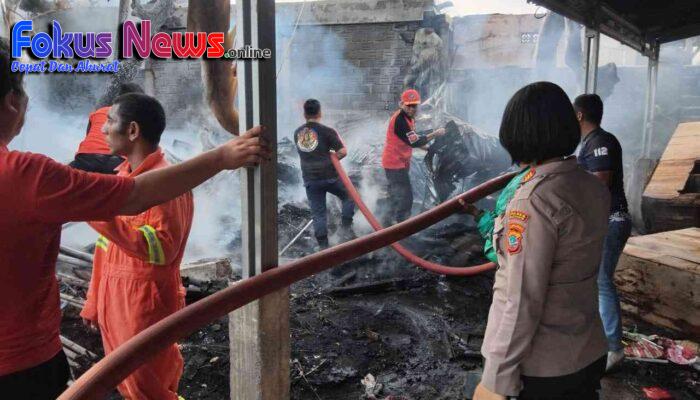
(259, 332)
(652, 78)
(592, 50)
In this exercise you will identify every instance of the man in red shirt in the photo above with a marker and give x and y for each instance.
(37, 195)
(93, 153)
(401, 138)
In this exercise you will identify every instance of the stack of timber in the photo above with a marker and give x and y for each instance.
(658, 277)
(671, 200)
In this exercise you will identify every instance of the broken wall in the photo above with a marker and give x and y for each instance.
(352, 56)
(363, 74)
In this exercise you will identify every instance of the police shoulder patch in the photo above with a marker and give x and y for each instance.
(515, 237)
(530, 174)
(519, 215)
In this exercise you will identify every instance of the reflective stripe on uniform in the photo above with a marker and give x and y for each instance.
(155, 250)
(102, 243)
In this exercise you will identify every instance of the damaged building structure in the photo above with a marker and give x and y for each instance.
(376, 327)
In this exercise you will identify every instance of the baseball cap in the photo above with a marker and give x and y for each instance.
(410, 97)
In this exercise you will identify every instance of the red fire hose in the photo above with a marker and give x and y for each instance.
(425, 264)
(108, 372)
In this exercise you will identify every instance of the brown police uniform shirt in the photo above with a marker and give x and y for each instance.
(544, 320)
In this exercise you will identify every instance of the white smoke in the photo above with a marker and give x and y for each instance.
(315, 67)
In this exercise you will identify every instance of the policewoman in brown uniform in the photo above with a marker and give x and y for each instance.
(544, 338)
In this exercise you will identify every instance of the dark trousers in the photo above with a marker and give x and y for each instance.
(581, 385)
(102, 163)
(400, 193)
(44, 382)
(316, 193)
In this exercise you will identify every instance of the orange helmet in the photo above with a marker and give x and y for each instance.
(410, 97)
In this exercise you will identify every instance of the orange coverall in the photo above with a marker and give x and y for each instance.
(95, 141)
(136, 282)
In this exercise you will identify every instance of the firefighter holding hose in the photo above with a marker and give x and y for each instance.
(401, 138)
(314, 142)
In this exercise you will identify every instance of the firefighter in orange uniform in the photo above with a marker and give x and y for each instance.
(136, 276)
(94, 155)
(37, 195)
(401, 138)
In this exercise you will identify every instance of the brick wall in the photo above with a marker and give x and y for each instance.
(178, 85)
(353, 69)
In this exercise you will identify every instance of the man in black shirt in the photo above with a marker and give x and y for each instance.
(601, 154)
(314, 143)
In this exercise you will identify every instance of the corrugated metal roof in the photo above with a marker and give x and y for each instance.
(637, 23)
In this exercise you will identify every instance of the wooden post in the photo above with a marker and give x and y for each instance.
(259, 332)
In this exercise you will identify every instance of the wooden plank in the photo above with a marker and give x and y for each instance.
(677, 245)
(657, 277)
(677, 162)
(682, 148)
(684, 142)
(660, 295)
(670, 244)
(208, 270)
(669, 179)
(688, 232)
(671, 262)
(688, 237)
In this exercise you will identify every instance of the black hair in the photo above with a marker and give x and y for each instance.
(312, 107)
(9, 81)
(539, 123)
(146, 111)
(591, 106)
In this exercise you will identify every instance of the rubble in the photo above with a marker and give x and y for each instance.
(463, 154)
(416, 333)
